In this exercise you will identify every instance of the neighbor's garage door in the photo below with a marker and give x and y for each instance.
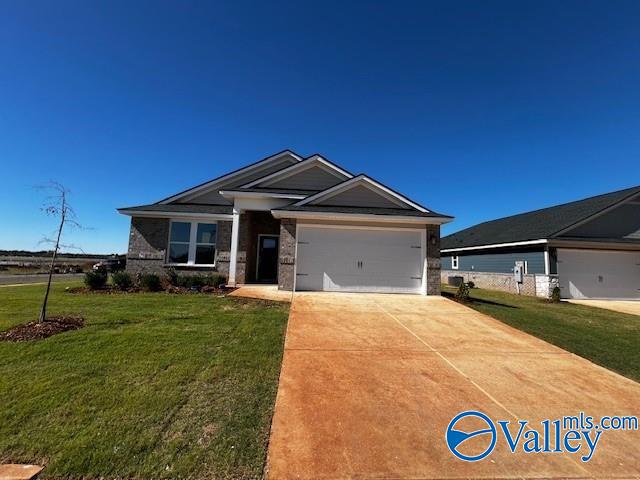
(599, 274)
(359, 260)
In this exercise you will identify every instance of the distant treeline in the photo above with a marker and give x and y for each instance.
(47, 253)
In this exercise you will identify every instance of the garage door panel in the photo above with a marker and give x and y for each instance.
(342, 259)
(599, 274)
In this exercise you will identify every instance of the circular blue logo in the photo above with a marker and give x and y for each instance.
(455, 438)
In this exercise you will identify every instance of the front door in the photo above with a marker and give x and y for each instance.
(267, 258)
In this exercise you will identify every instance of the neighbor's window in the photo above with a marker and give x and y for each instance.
(192, 243)
(454, 263)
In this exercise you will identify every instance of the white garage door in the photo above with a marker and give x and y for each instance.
(359, 260)
(599, 274)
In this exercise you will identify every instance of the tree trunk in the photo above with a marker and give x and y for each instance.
(43, 312)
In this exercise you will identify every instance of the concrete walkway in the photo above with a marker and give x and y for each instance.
(369, 384)
(262, 292)
(631, 307)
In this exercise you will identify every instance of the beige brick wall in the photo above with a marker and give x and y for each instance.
(504, 282)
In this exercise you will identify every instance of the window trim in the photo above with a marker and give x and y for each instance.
(455, 262)
(193, 243)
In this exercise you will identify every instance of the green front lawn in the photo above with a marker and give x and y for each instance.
(155, 385)
(607, 338)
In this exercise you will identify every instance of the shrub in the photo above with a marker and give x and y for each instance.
(463, 292)
(172, 277)
(122, 280)
(555, 295)
(471, 284)
(95, 279)
(217, 280)
(196, 281)
(150, 282)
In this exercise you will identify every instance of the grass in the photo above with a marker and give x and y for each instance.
(607, 338)
(154, 386)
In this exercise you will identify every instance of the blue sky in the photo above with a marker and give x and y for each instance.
(475, 109)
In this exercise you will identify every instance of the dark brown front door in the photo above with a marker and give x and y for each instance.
(267, 258)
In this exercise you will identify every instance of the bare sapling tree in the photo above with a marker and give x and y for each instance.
(56, 205)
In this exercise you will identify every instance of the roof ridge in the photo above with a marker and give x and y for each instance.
(233, 172)
(552, 207)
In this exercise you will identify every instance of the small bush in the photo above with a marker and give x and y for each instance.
(196, 281)
(471, 284)
(217, 280)
(173, 278)
(555, 295)
(95, 279)
(121, 280)
(463, 292)
(150, 282)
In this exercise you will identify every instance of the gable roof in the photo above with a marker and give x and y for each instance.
(362, 179)
(538, 224)
(218, 181)
(307, 163)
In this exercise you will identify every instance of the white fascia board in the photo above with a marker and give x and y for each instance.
(344, 186)
(231, 194)
(496, 245)
(224, 178)
(591, 245)
(208, 216)
(359, 217)
(299, 167)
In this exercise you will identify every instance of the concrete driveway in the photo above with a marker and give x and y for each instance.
(623, 306)
(370, 382)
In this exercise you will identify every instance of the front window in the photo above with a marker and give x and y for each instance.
(192, 243)
(454, 262)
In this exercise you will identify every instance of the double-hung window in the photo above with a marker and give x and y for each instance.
(192, 243)
(454, 262)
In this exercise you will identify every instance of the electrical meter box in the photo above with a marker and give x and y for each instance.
(518, 272)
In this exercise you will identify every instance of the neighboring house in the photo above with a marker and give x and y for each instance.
(303, 223)
(590, 247)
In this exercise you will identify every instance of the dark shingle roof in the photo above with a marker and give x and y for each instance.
(362, 210)
(539, 224)
(181, 208)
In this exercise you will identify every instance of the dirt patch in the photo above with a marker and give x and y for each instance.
(39, 330)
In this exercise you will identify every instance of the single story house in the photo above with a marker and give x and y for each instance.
(303, 223)
(590, 248)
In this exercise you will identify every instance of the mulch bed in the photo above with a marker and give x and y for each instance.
(38, 331)
(169, 289)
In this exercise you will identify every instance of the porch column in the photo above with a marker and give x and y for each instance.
(233, 254)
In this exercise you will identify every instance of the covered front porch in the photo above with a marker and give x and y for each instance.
(254, 248)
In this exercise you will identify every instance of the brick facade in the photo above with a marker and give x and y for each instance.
(286, 267)
(533, 285)
(148, 242)
(223, 247)
(149, 236)
(433, 260)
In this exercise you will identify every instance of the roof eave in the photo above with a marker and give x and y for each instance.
(540, 241)
(355, 217)
(168, 214)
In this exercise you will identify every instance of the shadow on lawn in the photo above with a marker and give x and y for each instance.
(451, 296)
